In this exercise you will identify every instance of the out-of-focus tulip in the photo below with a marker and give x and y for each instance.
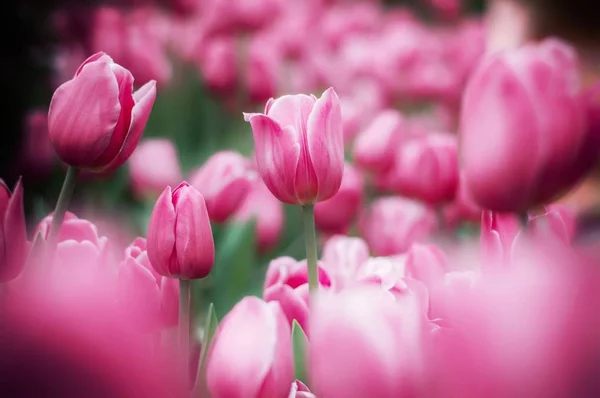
(287, 282)
(426, 263)
(463, 208)
(299, 147)
(426, 168)
(13, 234)
(267, 211)
(180, 242)
(218, 63)
(95, 120)
(335, 215)
(262, 366)
(342, 259)
(393, 224)
(299, 390)
(447, 9)
(153, 166)
(524, 129)
(37, 155)
(376, 146)
(264, 69)
(240, 16)
(149, 299)
(498, 232)
(348, 337)
(224, 181)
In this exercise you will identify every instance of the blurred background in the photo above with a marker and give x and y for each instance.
(214, 59)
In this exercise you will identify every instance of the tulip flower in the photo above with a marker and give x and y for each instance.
(147, 297)
(13, 233)
(376, 146)
(524, 128)
(154, 166)
(260, 336)
(217, 63)
(299, 390)
(426, 168)
(393, 224)
(267, 211)
(335, 214)
(180, 242)
(463, 208)
(95, 120)
(239, 16)
(224, 182)
(426, 263)
(342, 258)
(357, 351)
(498, 231)
(286, 281)
(299, 147)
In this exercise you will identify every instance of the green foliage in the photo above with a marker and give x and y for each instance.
(299, 345)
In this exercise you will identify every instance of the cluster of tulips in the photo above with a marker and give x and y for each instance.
(384, 304)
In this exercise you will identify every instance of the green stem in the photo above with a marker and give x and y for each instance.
(62, 205)
(310, 238)
(185, 287)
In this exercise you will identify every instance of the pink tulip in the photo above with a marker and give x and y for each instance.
(264, 66)
(426, 263)
(299, 390)
(95, 120)
(267, 211)
(217, 63)
(356, 351)
(299, 147)
(240, 16)
(393, 224)
(13, 233)
(180, 241)
(153, 166)
(224, 182)
(342, 258)
(463, 208)
(336, 214)
(447, 9)
(262, 366)
(426, 168)
(149, 299)
(376, 146)
(524, 130)
(498, 232)
(286, 281)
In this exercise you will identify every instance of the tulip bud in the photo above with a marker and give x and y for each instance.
(95, 120)
(180, 241)
(267, 211)
(299, 147)
(426, 168)
(13, 234)
(146, 297)
(224, 182)
(393, 224)
(217, 63)
(375, 147)
(154, 166)
(524, 128)
(335, 215)
(347, 334)
(262, 366)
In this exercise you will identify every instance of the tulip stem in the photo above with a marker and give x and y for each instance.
(62, 205)
(185, 287)
(310, 238)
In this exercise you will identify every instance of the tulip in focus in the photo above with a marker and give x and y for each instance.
(147, 297)
(95, 120)
(224, 181)
(426, 168)
(524, 130)
(251, 354)
(376, 146)
(286, 281)
(335, 215)
(153, 166)
(299, 147)
(393, 224)
(180, 242)
(14, 248)
(267, 211)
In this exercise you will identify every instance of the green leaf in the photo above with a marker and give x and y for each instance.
(300, 345)
(200, 388)
(232, 276)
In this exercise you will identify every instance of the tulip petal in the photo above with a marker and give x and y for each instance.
(292, 304)
(326, 143)
(79, 230)
(4, 197)
(193, 235)
(92, 58)
(139, 294)
(277, 156)
(144, 99)
(15, 236)
(83, 114)
(161, 234)
(243, 350)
